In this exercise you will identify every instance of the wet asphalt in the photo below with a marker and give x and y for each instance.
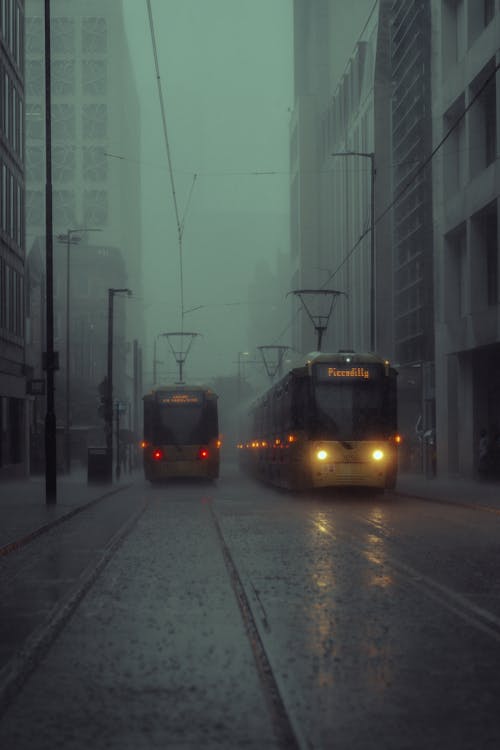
(376, 619)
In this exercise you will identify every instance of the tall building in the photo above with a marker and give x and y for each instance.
(466, 195)
(412, 241)
(95, 172)
(13, 411)
(340, 139)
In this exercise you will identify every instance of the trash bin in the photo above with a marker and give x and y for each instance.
(98, 466)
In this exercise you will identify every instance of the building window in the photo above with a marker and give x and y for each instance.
(455, 287)
(94, 35)
(485, 243)
(483, 120)
(454, 148)
(64, 163)
(63, 122)
(95, 164)
(95, 121)
(95, 208)
(64, 208)
(453, 31)
(488, 11)
(2, 293)
(35, 163)
(34, 122)
(35, 207)
(94, 77)
(63, 77)
(63, 36)
(34, 36)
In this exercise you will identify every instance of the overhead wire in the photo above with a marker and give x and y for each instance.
(178, 220)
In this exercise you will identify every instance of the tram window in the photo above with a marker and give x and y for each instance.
(186, 425)
(349, 411)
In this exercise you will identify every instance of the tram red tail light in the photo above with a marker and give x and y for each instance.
(157, 454)
(203, 453)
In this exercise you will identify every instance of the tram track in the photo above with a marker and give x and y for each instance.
(17, 670)
(286, 729)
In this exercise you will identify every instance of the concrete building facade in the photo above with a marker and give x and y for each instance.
(466, 190)
(412, 240)
(13, 403)
(342, 108)
(96, 185)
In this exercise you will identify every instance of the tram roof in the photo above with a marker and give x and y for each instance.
(180, 388)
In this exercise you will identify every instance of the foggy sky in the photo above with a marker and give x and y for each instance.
(226, 72)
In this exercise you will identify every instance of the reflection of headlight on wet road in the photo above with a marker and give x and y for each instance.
(378, 454)
(321, 455)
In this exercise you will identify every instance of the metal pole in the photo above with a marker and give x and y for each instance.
(372, 255)
(50, 417)
(135, 402)
(154, 360)
(67, 425)
(319, 331)
(109, 398)
(118, 440)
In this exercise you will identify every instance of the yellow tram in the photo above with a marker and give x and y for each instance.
(181, 433)
(329, 423)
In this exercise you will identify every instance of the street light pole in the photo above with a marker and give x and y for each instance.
(109, 396)
(69, 240)
(369, 155)
(50, 357)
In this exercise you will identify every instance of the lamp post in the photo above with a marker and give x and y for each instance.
(50, 354)
(109, 397)
(369, 155)
(69, 240)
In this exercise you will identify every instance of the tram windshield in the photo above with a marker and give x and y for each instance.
(350, 411)
(190, 420)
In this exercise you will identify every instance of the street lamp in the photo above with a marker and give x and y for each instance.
(69, 240)
(109, 397)
(368, 155)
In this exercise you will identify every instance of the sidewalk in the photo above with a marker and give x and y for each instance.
(23, 507)
(451, 489)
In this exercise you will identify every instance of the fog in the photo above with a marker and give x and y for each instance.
(226, 78)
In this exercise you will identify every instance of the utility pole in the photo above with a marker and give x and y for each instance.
(50, 355)
(118, 457)
(108, 419)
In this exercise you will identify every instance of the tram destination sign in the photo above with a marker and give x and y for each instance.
(346, 372)
(180, 398)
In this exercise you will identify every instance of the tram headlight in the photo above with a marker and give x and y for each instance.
(321, 455)
(377, 454)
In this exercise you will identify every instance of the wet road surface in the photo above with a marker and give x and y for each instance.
(375, 619)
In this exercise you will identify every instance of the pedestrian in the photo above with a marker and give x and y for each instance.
(484, 453)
